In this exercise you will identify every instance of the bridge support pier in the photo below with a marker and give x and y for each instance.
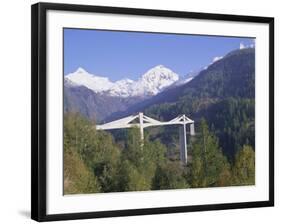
(141, 125)
(183, 144)
(145, 121)
(192, 131)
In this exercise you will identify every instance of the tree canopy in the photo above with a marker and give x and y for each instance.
(95, 162)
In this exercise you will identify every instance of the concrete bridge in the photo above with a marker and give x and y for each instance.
(142, 121)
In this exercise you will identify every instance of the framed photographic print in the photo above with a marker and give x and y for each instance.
(139, 111)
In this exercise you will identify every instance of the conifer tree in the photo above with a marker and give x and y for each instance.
(209, 165)
(244, 167)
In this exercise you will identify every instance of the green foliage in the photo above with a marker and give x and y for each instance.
(133, 147)
(209, 165)
(169, 176)
(233, 76)
(224, 94)
(141, 160)
(96, 149)
(231, 119)
(244, 167)
(112, 169)
(77, 177)
(233, 122)
(93, 162)
(137, 180)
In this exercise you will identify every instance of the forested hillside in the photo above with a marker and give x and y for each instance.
(95, 162)
(221, 101)
(223, 94)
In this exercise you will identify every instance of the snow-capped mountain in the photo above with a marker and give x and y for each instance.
(155, 80)
(82, 78)
(151, 83)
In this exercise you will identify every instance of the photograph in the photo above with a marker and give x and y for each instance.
(150, 111)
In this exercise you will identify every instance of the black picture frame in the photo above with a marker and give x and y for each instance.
(39, 107)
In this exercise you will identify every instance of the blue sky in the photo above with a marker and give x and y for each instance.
(118, 55)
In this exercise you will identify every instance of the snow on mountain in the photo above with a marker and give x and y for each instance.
(151, 83)
(186, 80)
(96, 83)
(217, 58)
(188, 77)
(69, 83)
(156, 79)
(122, 88)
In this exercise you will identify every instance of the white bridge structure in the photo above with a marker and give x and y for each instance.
(142, 121)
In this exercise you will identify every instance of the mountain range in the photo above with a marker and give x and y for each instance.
(231, 76)
(97, 97)
(223, 93)
(150, 83)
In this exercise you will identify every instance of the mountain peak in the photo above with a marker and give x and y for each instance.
(158, 78)
(151, 83)
(82, 78)
(160, 72)
(81, 70)
(159, 66)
